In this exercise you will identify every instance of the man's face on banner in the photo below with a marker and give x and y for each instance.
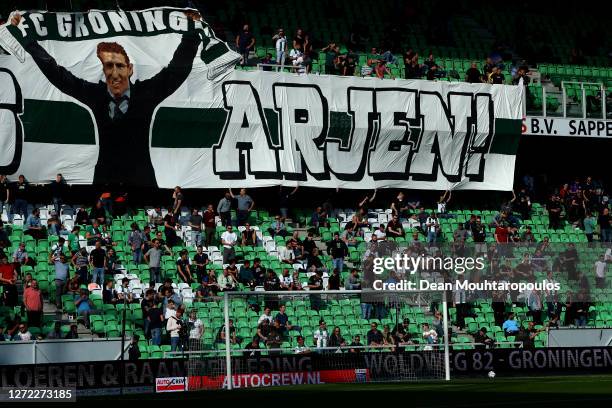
(117, 72)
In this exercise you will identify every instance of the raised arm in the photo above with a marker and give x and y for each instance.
(170, 78)
(59, 76)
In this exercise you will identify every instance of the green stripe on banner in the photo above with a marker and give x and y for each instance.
(57, 122)
(199, 128)
(339, 126)
(507, 135)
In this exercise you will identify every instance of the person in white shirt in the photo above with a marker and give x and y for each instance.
(266, 316)
(173, 326)
(380, 232)
(301, 348)
(281, 46)
(228, 240)
(442, 203)
(297, 58)
(286, 280)
(321, 335)
(430, 336)
(23, 334)
(600, 272)
(196, 329)
(413, 222)
(170, 309)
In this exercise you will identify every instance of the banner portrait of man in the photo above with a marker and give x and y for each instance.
(123, 109)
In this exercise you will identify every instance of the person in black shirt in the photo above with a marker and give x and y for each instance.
(5, 197)
(496, 76)
(554, 212)
(58, 189)
(473, 75)
(401, 333)
(133, 349)
(334, 282)
(98, 213)
(357, 344)
(183, 268)
(252, 349)
(109, 295)
(259, 272)
(122, 110)
(348, 66)
(156, 320)
(481, 337)
(245, 41)
(315, 283)
(200, 259)
(375, 337)
(605, 225)
(309, 244)
(338, 250)
(21, 191)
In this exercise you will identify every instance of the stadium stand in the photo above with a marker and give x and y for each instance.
(339, 42)
(275, 258)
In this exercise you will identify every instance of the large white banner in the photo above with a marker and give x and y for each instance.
(151, 98)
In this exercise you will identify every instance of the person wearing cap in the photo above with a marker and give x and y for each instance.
(482, 338)
(321, 335)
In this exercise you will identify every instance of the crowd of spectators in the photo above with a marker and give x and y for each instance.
(300, 53)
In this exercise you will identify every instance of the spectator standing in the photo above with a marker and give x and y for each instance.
(196, 330)
(174, 326)
(399, 205)
(58, 189)
(61, 278)
(98, 262)
(210, 225)
(590, 224)
(133, 349)
(136, 241)
(183, 267)
(605, 226)
(228, 240)
(21, 192)
(156, 320)
(280, 43)
(224, 208)
(8, 280)
(245, 41)
(244, 205)
(600, 272)
(195, 222)
(177, 201)
(153, 258)
(5, 198)
(33, 301)
(338, 251)
(200, 260)
(432, 227)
